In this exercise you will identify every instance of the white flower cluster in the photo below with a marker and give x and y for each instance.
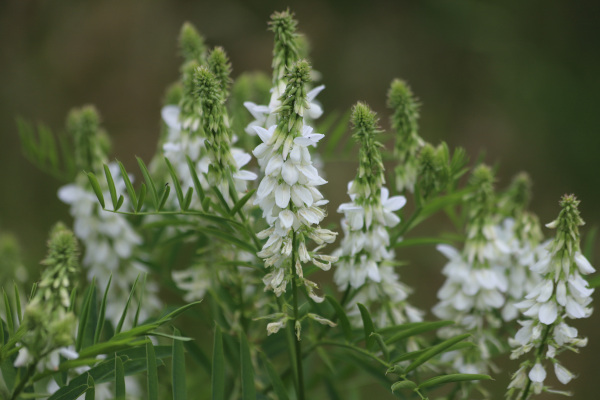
(111, 245)
(561, 293)
(290, 201)
(363, 255)
(520, 250)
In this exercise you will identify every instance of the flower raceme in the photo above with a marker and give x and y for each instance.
(288, 193)
(562, 293)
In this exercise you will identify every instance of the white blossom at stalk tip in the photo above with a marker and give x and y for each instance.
(111, 245)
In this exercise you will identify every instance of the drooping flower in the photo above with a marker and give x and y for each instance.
(562, 293)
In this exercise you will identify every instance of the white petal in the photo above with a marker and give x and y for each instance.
(245, 175)
(395, 203)
(282, 195)
(287, 218)
(537, 373)
(561, 293)
(264, 134)
(170, 114)
(545, 291)
(450, 252)
(562, 374)
(274, 165)
(310, 96)
(241, 158)
(584, 265)
(289, 173)
(548, 313)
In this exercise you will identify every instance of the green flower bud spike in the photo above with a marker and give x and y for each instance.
(90, 141)
(210, 96)
(370, 176)
(285, 50)
(191, 44)
(408, 142)
(219, 65)
(480, 212)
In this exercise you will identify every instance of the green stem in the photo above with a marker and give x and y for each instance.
(297, 342)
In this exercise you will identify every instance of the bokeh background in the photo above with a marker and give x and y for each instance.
(516, 80)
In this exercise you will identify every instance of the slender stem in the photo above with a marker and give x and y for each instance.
(297, 342)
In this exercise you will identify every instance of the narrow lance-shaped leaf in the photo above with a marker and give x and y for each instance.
(124, 314)
(176, 183)
(435, 350)
(188, 199)
(111, 186)
(248, 390)
(179, 387)
(343, 318)
(152, 371)
(149, 182)
(102, 316)
(119, 379)
(218, 367)
(96, 187)
(368, 326)
(128, 185)
(90, 394)
(84, 315)
(18, 303)
(415, 329)
(439, 380)
(165, 196)
(238, 206)
(197, 184)
(141, 198)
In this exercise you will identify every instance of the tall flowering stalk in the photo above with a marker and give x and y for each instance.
(285, 55)
(365, 257)
(288, 193)
(562, 294)
(475, 280)
(48, 320)
(408, 142)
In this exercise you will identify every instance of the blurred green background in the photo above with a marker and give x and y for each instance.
(518, 80)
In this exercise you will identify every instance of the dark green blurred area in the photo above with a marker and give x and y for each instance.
(517, 79)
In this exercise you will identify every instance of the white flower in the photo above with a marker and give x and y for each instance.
(562, 374)
(537, 373)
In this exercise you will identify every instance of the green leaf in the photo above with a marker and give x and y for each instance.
(343, 318)
(128, 185)
(415, 329)
(379, 339)
(119, 379)
(179, 387)
(439, 380)
(10, 318)
(401, 385)
(188, 199)
(421, 242)
(248, 389)
(102, 316)
(18, 303)
(222, 200)
(119, 202)
(85, 314)
(176, 183)
(276, 381)
(152, 371)
(149, 182)
(414, 354)
(90, 394)
(111, 186)
(124, 314)
(367, 325)
(435, 350)
(218, 367)
(165, 196)
(71, 394)
(141, 198)
(96, 188)
(197, 184)
(238, 206)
